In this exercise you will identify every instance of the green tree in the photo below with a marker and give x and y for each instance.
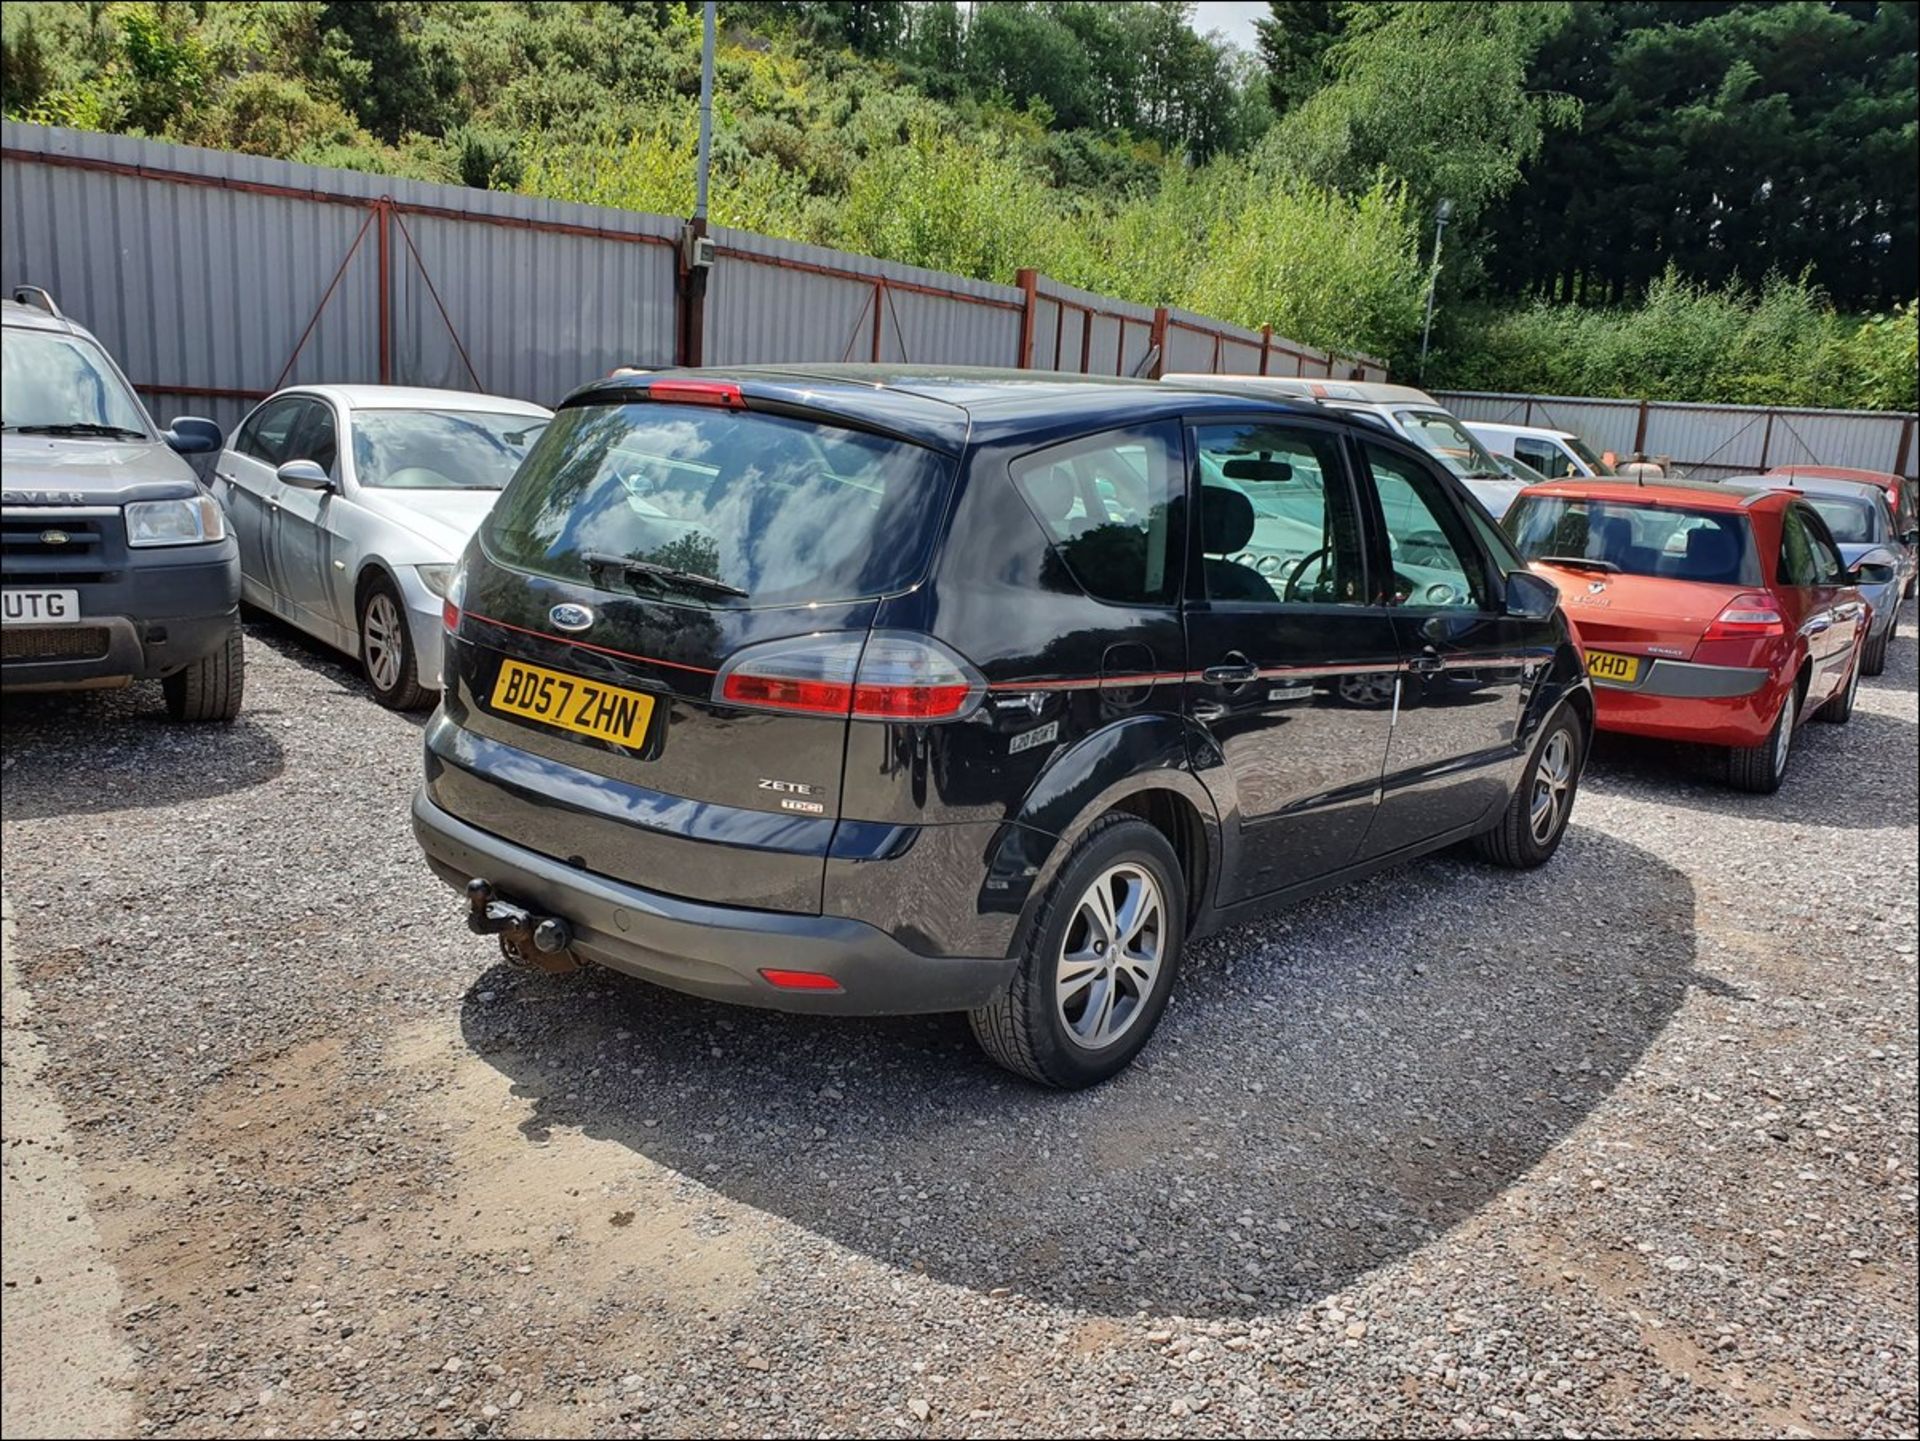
(1293, 40)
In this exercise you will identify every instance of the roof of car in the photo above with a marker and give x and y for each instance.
(1699, 494)
(1365, 392)
(1837, 472)
(410, 397)
(1504, 428)
(32, 317)
(946, 406)
(1816, 485)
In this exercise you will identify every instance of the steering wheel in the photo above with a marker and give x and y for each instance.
(1300, 569)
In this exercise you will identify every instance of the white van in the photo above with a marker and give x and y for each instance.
(1556, 454)
(1408, 412)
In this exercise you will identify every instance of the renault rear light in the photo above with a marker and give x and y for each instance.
(1747, 617)
(698, 392)
(889, 676)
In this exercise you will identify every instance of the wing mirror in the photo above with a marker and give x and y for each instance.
(1876, 567)
(306, 474)
(1530, 597)
(190, 435)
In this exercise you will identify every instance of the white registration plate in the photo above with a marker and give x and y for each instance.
(39, 607)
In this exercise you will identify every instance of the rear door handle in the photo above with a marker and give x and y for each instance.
(1208, 710)
(1426, 664)
(1230, 674)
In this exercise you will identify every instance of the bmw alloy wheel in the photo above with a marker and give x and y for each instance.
(381, 643)
(1110, 956)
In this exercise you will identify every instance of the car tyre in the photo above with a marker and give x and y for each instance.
(1535, 821)
(1084, 1002)
(1839, 710)
(386, 649)
(212, 688)
(1874, 660)
(1760, 769)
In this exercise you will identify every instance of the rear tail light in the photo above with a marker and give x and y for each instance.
(698, 392)
(1747, 617)
(890, 675)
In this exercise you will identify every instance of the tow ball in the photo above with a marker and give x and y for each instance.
(541, 943)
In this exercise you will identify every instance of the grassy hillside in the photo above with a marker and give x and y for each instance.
(1141, 160)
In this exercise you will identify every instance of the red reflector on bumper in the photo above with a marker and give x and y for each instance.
(801, 980)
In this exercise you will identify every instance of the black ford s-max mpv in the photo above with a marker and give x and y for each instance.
(865, 691)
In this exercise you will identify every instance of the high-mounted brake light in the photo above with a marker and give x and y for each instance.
(698, 392)
(1747, 617)
(888, 676)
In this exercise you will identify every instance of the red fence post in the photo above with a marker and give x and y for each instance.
(383, 218)
(1906, 447)
(1029, 283)
(879, 295)
(1266, 347)
(1766, 440)
(1157, 343)
(1640, 432)
(1086, 338)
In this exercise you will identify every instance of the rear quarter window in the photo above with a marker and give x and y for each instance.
(1107, 505)
(787, 511)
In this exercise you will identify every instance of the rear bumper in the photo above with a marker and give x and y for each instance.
(1682, 701)
(709, 950)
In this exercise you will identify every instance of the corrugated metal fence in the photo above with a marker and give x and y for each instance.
(216, 278)
(1709, 442)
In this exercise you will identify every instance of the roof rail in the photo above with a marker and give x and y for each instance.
(36, 297)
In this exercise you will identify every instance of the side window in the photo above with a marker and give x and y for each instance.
(1828, 568)
(1278, 523)
(268, 429)
(1429, 540)
(318, 438)
(1796, 551)
(1108, 505)
(1541, 456)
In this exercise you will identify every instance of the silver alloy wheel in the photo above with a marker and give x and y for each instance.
(381, 643)
(1784, 742)
(1111, 956)
(1552, 780)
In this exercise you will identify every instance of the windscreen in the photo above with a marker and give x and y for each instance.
(440, 449)
(720, 507)
(1850, 520)
(55, 381)
(1449, 442)
(1594, 463)
(1636, 538)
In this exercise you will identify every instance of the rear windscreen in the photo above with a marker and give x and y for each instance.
(1636, 538)
(768, 510)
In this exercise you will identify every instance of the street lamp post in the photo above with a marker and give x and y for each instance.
(1442, 213)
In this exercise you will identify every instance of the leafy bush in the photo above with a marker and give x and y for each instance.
(1782, 346)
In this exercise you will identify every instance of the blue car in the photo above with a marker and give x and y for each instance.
(1857, 514)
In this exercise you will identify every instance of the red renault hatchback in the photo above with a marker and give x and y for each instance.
(1707, 613)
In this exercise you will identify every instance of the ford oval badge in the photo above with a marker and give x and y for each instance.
(568, 616)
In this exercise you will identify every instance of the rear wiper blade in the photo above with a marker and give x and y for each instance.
(1579, 562)
(691, 579)
(79, 427)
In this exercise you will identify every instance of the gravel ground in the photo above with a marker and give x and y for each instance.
(1622, 1147)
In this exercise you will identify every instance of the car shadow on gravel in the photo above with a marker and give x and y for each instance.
(86, 752)
(1857, 776)
(311, 654)
(1330, 1090)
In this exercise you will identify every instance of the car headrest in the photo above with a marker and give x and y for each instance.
(1053, 491)
(1226, 520)
(1711, 553)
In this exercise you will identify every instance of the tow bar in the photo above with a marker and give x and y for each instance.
(538, 942)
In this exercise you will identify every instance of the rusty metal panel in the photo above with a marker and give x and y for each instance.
(1864, 440)
(1604, 424)
(538, 313)
(1239, 357)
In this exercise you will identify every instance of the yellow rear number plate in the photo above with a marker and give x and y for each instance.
(604, 712)
(1604, 665)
